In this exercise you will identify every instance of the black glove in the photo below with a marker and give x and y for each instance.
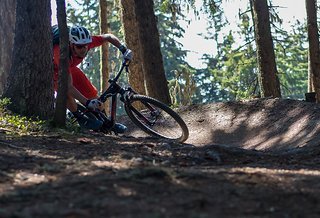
(127, 53)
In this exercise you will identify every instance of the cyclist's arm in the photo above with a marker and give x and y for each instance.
(127, 53)
(75, 93)
(112, 39)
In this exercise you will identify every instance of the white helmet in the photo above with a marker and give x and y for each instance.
(79, 35)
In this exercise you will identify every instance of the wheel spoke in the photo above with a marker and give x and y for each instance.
(157, 119)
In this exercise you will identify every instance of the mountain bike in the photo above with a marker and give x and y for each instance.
(149, 114)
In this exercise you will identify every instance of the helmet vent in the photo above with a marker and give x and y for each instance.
(80, 35)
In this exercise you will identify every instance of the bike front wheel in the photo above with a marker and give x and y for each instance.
(156, 118)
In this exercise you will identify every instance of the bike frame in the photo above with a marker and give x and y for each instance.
(113, 90)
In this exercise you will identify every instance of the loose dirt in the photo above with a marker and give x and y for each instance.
(257, 158)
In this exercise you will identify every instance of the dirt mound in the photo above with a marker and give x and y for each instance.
(259, 124)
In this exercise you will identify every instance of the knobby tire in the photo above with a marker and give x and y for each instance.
(168, 124)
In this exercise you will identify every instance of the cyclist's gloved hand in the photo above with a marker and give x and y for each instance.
(127, 53)
(94, 104)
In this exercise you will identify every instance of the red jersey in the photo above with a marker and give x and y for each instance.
(80, 81)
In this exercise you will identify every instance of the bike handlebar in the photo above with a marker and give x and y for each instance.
(125, 64)
(108, 92)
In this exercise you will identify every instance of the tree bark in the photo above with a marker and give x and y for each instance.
(155, 78)
(7, 24)
(268, 79)
(60, 110)
(30, 83)
(131, 33)
(313, 51)
(104, 71)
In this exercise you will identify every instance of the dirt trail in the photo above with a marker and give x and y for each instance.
(257, 158)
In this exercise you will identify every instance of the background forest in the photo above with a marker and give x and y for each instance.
(259, 58)
(230, 74)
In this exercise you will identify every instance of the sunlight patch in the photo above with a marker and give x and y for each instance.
(111, 164)
(26, 178)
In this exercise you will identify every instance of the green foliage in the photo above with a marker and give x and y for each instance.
(292, 62)
(234, 70)
(212, 6)
(178, 72)
(4, 102)
(16, 123)
(204, 86)
(206, 90)
(216, 20)
(175, 8)
(171, 49)
(182, 87)
(19, 125)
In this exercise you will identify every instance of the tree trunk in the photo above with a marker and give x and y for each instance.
(60, 110)
(310, 76)
(131, 33)
(314, 51)
(30, 85)
(155, 78)
(104, 71)
(7, 24)
(268, 79)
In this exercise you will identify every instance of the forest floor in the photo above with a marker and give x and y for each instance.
(257, 158)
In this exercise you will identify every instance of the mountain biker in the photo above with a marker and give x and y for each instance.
(79, 86)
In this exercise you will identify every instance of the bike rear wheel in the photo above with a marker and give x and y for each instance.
(156, 118)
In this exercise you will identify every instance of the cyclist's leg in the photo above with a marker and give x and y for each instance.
(71, 102)
(85, 87)
(83, 84)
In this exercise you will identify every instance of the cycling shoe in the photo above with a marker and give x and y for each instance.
(87, 123)
(119, 128)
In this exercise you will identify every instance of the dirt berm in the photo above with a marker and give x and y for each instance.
(259, 124)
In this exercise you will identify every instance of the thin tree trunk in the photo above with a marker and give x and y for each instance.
(268, 79)
(310, 76)
(104, 71)
(60, 110)
(314, 51)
